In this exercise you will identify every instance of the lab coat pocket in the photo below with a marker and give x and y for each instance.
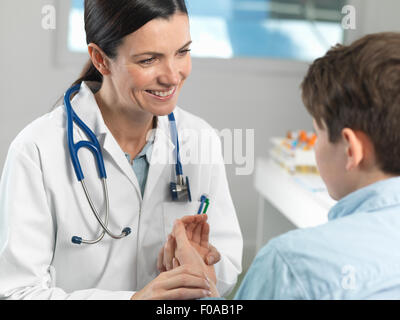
(177, 210)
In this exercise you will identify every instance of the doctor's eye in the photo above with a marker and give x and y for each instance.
(148, 61)
(184, 52)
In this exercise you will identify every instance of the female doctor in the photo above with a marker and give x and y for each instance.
(139, 60)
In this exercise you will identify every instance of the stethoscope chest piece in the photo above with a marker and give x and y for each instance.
(180, 190)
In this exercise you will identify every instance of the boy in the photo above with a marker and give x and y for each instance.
(353, 96)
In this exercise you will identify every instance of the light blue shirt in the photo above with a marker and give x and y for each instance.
(141, 164)
(356, 255)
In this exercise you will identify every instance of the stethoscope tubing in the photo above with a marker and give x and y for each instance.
(104, 224)
(94, 146)
(179, 190)
(175, 140)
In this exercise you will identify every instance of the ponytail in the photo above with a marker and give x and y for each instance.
(89, 73)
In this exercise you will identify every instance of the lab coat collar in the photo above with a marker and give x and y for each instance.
(373, 197)
(85, 106)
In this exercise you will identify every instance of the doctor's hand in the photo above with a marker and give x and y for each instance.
(197, 231)
(182, 283)
(186, 254)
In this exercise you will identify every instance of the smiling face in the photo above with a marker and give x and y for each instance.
(152, 64)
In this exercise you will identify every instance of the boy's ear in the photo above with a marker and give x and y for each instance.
(355, 149)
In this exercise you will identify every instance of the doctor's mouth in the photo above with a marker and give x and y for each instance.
(161, 95)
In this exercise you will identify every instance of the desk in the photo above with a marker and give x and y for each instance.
(302, 206)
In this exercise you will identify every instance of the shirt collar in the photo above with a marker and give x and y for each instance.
(373, 197)
(148, 147)
(146, 151)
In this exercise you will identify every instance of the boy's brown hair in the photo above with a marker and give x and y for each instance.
(358, 87)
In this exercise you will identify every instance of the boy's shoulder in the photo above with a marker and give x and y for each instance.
(338, 259)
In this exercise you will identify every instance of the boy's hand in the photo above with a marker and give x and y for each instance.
(186, 254)
(197, 231)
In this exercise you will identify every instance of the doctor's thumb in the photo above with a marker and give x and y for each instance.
(213, 256)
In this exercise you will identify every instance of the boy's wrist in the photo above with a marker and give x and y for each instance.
(213, 289)
(212, 279)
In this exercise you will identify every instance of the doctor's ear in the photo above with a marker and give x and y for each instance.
(99, 59)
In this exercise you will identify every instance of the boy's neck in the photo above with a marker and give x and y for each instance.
(368, 178)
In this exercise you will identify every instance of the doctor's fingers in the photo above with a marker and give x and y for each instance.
(191, 223)
(175, 263)
(194, 218)
(197, 233)
(205, 234)
(190, 228)
(213, 256)
(184, 280)
(180, 234)
(185, 294)
(160, 260)
(163, 288)
(169, 253)
(188, 275)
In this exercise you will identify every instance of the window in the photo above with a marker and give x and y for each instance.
(288, 29)
(76, 27)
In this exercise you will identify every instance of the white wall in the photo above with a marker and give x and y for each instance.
(262, 95)
(375, 16)
(30, 82)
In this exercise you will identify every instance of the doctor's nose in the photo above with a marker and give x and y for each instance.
(170, 75)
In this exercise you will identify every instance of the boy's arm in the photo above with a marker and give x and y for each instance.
(270, 277)
(186, 254)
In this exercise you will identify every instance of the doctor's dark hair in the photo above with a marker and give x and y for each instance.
(358, 87)
(107, 22)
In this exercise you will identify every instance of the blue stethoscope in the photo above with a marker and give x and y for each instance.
(180, 190)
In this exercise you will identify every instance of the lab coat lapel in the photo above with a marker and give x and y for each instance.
(115, 152)
(162, 156)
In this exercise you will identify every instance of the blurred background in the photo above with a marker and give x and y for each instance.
(249, 58)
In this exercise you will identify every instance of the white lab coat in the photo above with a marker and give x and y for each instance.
(42, 205)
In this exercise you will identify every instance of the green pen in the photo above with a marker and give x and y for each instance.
(207, 202)
(203, 200)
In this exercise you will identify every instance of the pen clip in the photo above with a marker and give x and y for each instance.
(203, 199)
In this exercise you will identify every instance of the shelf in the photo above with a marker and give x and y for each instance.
(291, 196)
